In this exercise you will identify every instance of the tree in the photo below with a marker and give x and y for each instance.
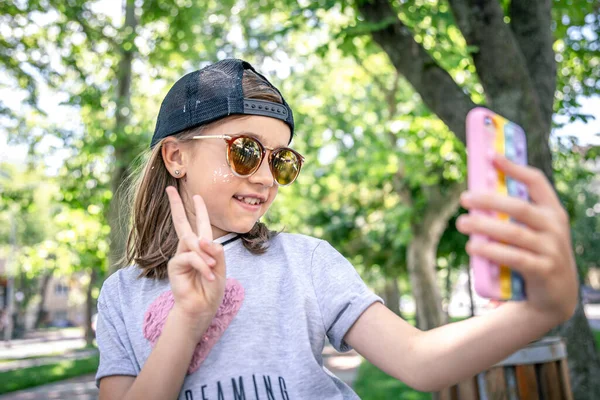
(98, 75)
(522, 33)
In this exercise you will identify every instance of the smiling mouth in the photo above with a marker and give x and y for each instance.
(253, 201)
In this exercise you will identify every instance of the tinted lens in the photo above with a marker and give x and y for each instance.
(245, 155)
(285, 166)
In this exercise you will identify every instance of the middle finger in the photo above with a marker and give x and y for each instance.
(191, 243)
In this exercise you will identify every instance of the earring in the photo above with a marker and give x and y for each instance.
(177, 172)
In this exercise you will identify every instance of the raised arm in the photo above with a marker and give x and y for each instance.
(197, 276)
(540, 249)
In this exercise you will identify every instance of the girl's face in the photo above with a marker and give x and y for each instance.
(204, 165)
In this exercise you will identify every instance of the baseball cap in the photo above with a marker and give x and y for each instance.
(211, 93)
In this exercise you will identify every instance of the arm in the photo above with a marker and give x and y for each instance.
(197, 276)
(440, 357)
(539, 249)
(163, 373)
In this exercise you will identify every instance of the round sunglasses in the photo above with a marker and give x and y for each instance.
(245, 154)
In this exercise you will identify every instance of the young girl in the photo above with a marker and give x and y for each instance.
(216, 306)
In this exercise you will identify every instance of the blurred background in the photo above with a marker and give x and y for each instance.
(380, 90)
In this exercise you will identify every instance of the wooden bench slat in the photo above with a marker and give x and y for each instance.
(467, 390)
(549, 379)
(511, 383)
(527, 382)
(565, 381)
(495, 384)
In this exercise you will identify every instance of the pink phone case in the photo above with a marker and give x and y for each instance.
(488, 132)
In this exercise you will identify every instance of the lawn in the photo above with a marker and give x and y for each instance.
(28, 377)
(373, 384)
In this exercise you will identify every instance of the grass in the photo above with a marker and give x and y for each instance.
(34, 376)
(374, 384)
(597, 337)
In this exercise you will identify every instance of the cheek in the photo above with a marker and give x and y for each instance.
(222, 174)
(273, 195)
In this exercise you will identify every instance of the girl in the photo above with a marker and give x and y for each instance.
(216, 306)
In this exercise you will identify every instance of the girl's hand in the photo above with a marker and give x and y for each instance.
(540, 249)
(197, 271)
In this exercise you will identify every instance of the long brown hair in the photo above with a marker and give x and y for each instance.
(152, 240)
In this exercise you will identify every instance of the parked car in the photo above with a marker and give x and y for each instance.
(61, 323)
(589, 295)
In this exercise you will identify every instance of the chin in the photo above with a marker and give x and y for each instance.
(243, 228)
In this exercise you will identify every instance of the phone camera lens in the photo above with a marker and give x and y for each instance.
(487, 121)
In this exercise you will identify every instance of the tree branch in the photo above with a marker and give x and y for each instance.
(437, 88)
(530, 23)
(510, 89)
(441, 205)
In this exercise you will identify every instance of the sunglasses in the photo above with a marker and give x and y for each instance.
(245, 154)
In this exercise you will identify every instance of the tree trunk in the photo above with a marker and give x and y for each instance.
(422, 251)
(448, 289)
(582, 355)
(118, 216)
(42, 313)
(470, 289)
(89, 308)
(392, 295)
(423, 279)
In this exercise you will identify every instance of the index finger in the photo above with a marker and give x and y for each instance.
(180, 221)
(202, 220)
(540, 189)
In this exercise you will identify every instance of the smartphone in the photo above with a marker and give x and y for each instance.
(488, 132)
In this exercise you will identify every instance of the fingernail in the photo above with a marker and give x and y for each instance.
(212, 262)
(466, 196)
(211, 276)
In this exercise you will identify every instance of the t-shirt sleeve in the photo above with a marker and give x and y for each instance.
(113, 345)
(341, 293)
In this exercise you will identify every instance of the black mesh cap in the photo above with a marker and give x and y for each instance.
(211, 93)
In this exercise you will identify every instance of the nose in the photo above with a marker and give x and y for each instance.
(263, 174)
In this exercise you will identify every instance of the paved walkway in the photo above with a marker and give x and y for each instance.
(42, 343)
(35, 362)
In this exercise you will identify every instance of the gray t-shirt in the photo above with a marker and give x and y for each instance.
(296, 294)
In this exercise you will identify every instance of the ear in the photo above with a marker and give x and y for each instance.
(172, 154)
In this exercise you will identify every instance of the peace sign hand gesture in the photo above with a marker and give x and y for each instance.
(197, 271)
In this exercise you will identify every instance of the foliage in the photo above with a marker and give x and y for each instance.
(574, 184)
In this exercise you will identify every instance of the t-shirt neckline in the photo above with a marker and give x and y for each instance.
(228, 238)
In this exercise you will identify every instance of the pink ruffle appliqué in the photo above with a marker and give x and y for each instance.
(156, 316)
